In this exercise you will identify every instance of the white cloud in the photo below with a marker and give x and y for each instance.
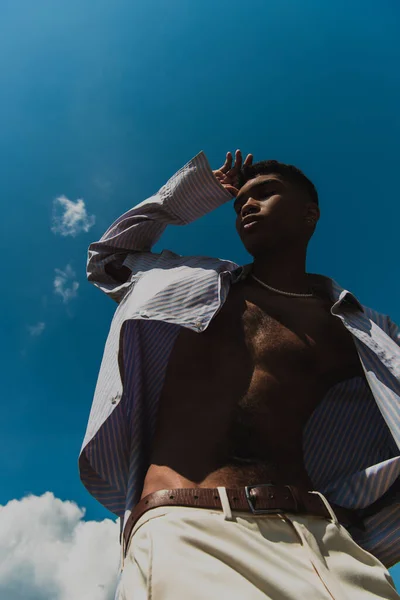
(48, 552)
(64, 283)
(70, 218)
(36, 330)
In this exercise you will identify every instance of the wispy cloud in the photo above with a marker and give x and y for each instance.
(70, 218)
(65, 285)
(36, 330)
(48, 551)
(103, 186)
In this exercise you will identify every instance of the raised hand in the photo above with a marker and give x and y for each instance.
(228, 175)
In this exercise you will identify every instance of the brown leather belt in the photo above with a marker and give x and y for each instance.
(259, 499)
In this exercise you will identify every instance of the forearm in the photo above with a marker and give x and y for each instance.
(191, 193)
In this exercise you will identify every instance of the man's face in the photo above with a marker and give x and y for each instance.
(278, 209)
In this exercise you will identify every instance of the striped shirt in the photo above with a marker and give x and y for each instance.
(351, 442)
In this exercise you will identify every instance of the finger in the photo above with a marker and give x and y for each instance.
(238, 160)
(248, 161)
(233, 190)
(227, 164)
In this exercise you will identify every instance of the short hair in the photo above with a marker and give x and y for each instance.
(288, 172)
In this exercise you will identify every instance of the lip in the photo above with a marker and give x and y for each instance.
(248, 222)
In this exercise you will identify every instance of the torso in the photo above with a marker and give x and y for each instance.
(237, 396)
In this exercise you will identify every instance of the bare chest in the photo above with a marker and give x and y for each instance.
(283, 356)
(298, 338)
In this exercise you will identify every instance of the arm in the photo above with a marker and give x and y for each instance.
(191, 193)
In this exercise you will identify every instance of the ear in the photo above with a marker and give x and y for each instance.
(311, 213)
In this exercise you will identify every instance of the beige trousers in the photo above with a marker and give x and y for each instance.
(185, 553)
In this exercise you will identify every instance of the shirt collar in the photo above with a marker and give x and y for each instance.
(336, 292)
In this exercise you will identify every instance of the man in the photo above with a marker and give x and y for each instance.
(246, 420)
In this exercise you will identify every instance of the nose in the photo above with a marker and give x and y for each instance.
(248, 207)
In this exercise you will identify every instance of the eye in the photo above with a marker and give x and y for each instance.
(267, 193)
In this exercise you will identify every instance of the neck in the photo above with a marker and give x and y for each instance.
(285, 271)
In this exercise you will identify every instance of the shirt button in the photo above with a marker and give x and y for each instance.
(115, 398)
(198, 324)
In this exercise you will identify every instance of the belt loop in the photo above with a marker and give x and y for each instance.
(226, 507)
(124, 523)
(122, 553)
(328, 508)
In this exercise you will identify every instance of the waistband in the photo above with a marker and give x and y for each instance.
(261, 499)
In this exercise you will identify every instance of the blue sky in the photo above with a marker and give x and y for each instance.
(104, 102)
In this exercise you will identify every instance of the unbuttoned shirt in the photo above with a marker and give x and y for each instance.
(351, 441)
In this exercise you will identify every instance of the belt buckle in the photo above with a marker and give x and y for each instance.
(264, 511)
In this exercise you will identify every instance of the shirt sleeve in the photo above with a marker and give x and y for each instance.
(394, 331)
(191, 193)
